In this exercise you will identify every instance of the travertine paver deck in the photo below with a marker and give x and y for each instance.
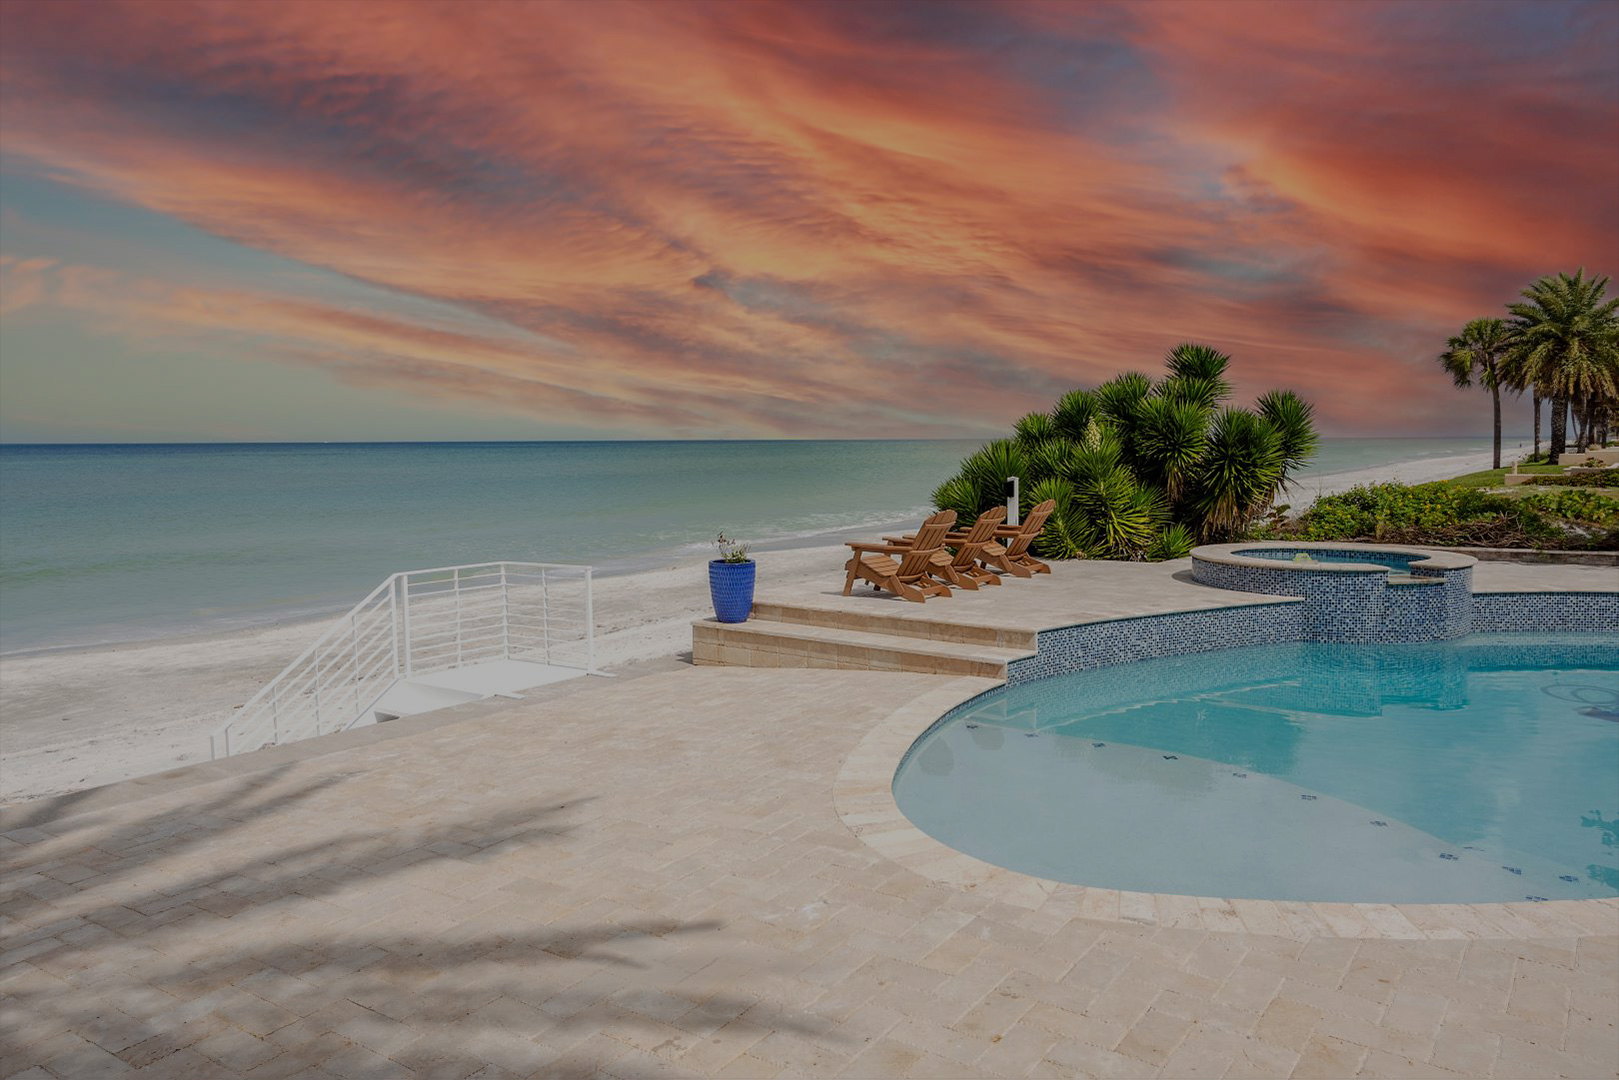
(1532, 577)
(649, 878)
(1074, 592)
(1091, 591)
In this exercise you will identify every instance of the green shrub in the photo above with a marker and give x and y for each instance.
(1175, 542)
(1586, 507)
(1451, 516)
(1375, 510)
(1141, 469)
(1607, 478)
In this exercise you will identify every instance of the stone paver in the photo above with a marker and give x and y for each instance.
(650, 878)
(1079, 591)
(1543, 577)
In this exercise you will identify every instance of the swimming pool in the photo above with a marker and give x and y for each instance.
(1481, 769)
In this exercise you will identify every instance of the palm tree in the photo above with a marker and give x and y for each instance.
(1477, 352)
(1566, 345)
(1535, 397)
(1513, 378)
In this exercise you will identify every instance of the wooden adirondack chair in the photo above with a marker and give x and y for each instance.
(908, 577)
(1010, 549)
(963, 569)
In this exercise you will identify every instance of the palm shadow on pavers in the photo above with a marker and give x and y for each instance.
(172, 942)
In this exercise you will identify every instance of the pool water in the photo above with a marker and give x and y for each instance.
(1482, 769)
(1394, 560)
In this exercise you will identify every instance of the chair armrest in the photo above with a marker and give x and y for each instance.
(885, 549)
(949, 538)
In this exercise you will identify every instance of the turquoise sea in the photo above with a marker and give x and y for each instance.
(105, 543)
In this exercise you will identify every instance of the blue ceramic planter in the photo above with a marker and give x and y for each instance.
(731, 586)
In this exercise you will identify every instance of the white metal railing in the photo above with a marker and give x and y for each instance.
(416, 623)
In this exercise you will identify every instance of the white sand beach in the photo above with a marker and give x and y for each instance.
(1307, 491)
(80, 718)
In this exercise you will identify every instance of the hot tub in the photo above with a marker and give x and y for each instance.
(1354, 593)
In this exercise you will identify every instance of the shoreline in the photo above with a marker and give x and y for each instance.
(1299, 496)
(84, 716)
(618, 567)
(79, 716)
(1421, 471)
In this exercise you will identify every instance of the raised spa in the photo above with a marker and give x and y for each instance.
(1352, 592)
(1475, 770)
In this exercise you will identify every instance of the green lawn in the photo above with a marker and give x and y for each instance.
(1493, 477)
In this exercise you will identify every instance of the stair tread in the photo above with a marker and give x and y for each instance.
(894, 624)
(872, 640)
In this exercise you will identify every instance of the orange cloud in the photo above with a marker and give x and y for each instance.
(836, 219)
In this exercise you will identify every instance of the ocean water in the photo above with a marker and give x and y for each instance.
(117, 543)
(1348, 455)
(1478, 770)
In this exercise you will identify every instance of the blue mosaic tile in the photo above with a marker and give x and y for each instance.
(1548, 613)
(1357, 608)
(1148, 637)
(1420, 612)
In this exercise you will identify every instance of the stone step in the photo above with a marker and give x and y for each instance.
(912, 621)
(771, 643)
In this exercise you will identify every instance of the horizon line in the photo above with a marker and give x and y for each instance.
(9, 445)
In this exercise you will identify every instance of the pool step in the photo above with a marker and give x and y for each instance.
(908, 620)
(765, 642)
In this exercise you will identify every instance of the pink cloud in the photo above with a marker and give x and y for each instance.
(767, 219)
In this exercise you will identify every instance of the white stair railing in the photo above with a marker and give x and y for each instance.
(416, 623)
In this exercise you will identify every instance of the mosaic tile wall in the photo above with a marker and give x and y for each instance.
(1094, 645)
(1097, 645)
(1357, 607)
(1549, 612)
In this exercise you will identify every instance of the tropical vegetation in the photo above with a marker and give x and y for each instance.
(1560, 345)
(1607, 478)
(1477, 353)
(1143, 469)
(1453, 515)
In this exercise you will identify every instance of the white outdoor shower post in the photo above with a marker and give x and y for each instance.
(1011, 500)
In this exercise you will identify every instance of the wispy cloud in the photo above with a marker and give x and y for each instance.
(836, 219)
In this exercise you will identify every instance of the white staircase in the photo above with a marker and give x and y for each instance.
(426, 639)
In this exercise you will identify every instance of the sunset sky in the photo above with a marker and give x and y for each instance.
(323, 220)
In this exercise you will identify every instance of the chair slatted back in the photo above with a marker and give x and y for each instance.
(1030, 528)
(982, 532)
(929, 541)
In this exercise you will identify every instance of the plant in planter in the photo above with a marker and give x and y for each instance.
(730, 581)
